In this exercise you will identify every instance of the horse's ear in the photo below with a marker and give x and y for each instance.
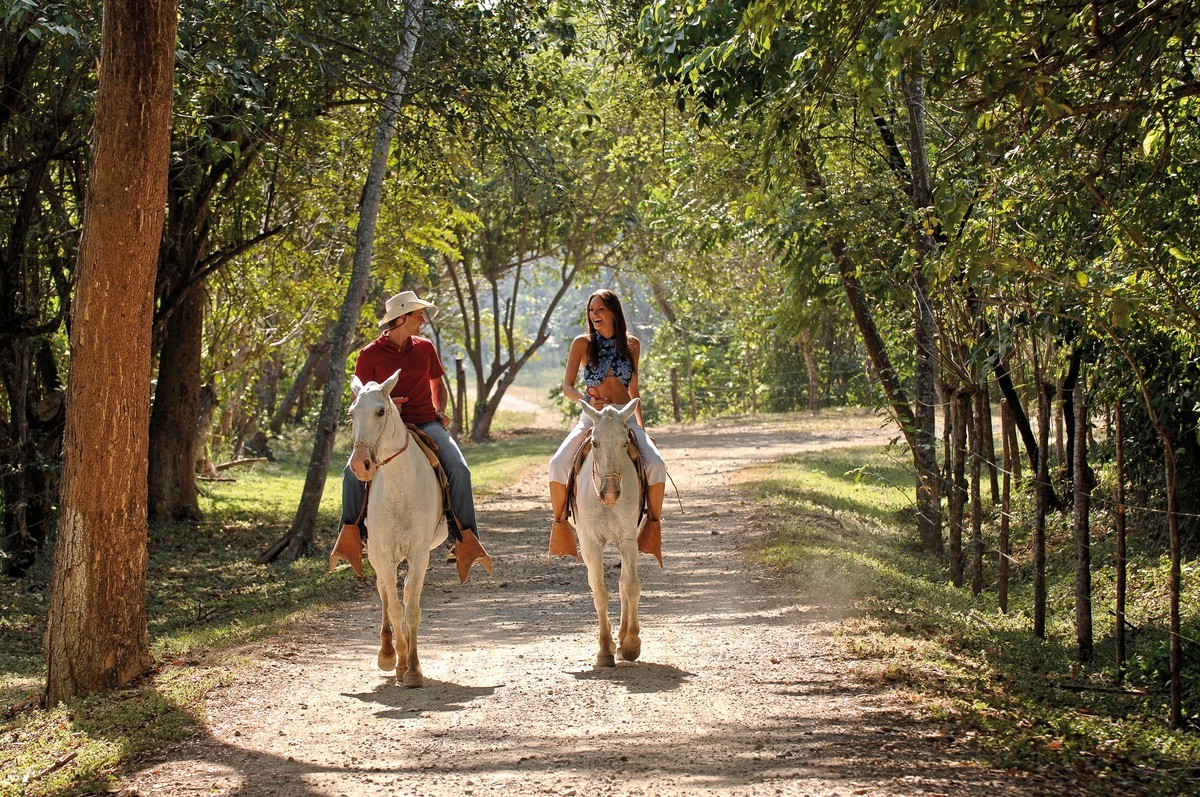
(589, 410)
(390, 383)
(629, 408)
(356, 385)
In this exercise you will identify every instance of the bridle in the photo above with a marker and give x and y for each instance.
(615, 474)
(388, 409)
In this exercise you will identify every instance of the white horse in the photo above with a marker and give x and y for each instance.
(404, 515)
(607, 502)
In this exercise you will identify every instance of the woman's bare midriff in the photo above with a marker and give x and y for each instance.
(613, 391)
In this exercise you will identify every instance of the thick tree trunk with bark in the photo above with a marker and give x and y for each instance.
(172, 476)
(96, 635)
(300, 536)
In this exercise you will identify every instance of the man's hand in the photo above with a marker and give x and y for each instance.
(398, 400)
(444, 418)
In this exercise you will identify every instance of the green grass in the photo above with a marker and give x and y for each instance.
(205, 595)
(842, 523)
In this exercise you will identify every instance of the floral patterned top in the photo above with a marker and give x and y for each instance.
(608, 360)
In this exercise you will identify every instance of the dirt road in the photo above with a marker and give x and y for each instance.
(739, 691)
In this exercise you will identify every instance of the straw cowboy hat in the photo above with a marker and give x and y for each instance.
(402, 303)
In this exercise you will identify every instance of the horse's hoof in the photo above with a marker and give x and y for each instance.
(606, 660)
(386, 662)
(631, 652)
(413, 680)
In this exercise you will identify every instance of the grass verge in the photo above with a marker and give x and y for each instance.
(205, 596)
(842, 523)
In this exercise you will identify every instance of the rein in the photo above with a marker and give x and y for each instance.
(371, 448)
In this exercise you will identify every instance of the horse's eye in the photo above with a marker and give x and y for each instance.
(379, 412)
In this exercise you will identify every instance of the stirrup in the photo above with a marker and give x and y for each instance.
(650, 539)
(562, 540)
(349, 546)
(467, 552)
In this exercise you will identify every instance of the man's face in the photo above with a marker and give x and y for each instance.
(409, 323)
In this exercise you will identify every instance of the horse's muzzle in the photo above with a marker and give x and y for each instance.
(610, 490)
(363, 465)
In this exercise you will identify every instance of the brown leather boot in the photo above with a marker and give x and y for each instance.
(562, 540)
(467, 552)
(349, 546)
(650, 539)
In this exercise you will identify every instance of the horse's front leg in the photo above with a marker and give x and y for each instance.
(629, 632)
(593, 556)
(413, 584)
(385, 585)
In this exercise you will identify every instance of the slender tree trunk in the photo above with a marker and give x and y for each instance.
(1020, 419)
(96, 632)
(675, 395)
(1174, 583)
(1119, 520)
(977, 458)
(1083, 546)
(300, 536)
(1039, 512)
(919, 435)
(1008, 456)
(316, 361)
(989, 444)
(958, 484)
(1060, 458)
(929, 510)
(814, 373)
(172, 474)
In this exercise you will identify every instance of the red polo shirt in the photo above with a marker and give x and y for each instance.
(417, 362)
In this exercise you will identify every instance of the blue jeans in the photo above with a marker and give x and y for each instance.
(457, 473)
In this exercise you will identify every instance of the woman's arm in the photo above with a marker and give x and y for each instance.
(574, 358)
(635, 353)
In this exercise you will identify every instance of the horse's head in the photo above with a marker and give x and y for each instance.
(372, 417)
(609, 436)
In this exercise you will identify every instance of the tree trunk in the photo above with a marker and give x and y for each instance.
(1020, 419)
(929, 511)
(814, 374)
(958, 483)
(1041, 505)
(1119, 520)
(1008, 456)
(30, 448)
(172, 473)
(921, 441)
(1083, 547)
(96, 632)
(1173, 584)
(977, 459)
(989, 444)
(675, 395)
(300, 536)
(316, 362)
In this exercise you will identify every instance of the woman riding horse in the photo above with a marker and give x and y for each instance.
(609, 356)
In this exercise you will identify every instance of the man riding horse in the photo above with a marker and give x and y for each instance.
(421, 398)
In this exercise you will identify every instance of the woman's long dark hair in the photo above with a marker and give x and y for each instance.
(620, 333)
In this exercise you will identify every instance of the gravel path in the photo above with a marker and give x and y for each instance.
(739, 690)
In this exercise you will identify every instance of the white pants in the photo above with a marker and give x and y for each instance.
(560, 463)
